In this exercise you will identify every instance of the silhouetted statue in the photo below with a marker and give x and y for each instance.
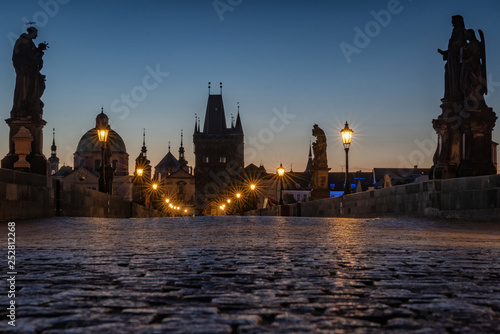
(319, 147)
(473, 74)
(452, 56)
(30, 83)
(465, 125)
(319, 167)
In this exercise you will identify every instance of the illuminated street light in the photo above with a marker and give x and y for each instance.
(155, 186)
(139, 172)
(228, 200)
(103, 138)
(238, 195)
(252, 186)
(167, 200)
(346, 134)
(281, 173)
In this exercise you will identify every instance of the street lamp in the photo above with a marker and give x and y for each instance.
(155, 186)
(346, 134)
(103, 138)
(281, 173)
(252, 186)
(139, 172)
(238, 195)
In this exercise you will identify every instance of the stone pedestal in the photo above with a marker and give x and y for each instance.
(464, 141)
(38, 164)
(22, 143)
(320, 182)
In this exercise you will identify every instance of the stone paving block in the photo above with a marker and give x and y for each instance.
(257, 275)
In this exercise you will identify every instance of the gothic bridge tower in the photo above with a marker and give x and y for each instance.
(219, 152)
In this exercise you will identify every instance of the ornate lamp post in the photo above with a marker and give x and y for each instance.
(346, 140)
(103, 138)
(253, 197)
(281, 173)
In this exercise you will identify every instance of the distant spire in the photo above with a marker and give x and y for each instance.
(195, 123)
(144, 150)
(169, 146)
(209, 88)
(238, 127)
(102, 109)
(182, 161)
(291, 168)
(310, 160)
(53, 147)
(53, 160)
(232, 121)
(220, 88)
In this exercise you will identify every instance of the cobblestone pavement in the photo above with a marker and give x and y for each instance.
(255, 275)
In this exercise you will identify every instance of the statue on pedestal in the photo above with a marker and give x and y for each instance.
(27, 109)
(319, 167)
(466, 123)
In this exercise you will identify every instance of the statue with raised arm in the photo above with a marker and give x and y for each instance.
(452, 56)
(30, 83)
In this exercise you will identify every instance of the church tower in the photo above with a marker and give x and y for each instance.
(53, 160)
(219, 152)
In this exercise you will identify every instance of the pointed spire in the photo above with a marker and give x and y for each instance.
(182, 161)
(220, 88)
(53, 148)
(310, 159)
(53, 160)
(196, 123)
(144, 149)
(238, 127)
(209, 88)
(102, 109)
(169, 147)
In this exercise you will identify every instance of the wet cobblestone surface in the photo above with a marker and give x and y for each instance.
(255, 275)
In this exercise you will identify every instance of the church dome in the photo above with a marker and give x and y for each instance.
(89, 143)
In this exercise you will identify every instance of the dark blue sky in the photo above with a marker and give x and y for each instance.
(274, 57)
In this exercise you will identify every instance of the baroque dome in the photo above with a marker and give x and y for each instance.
(89, 143)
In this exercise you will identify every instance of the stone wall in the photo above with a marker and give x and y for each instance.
(24, 196)
(474, 198)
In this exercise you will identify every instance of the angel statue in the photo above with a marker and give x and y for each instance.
(473, 75)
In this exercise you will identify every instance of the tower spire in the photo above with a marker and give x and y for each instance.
(209, 88)
(53, 160)
(182, 160)
(144, 150)
(169, 146)
(238, 126)
(220, 88)
(53, 137)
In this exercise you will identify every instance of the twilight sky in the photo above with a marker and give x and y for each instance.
(148, 64)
